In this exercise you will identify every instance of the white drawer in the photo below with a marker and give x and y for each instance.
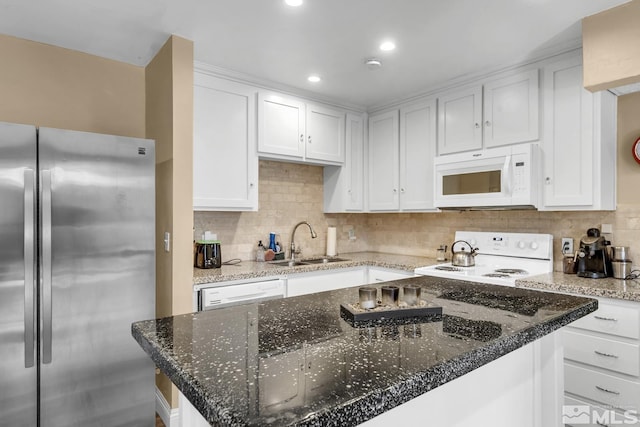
(602, 388)
(612, 319)
(601, 352)
(584, 414)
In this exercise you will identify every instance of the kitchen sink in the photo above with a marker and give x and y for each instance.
(287, 263)
(323, 260)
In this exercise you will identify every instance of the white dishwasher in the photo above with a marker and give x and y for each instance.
(226, 295)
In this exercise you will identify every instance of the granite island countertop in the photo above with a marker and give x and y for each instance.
(252, 269)
(295, 361)
(570, 283)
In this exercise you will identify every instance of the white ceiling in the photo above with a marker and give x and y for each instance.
(437, 40)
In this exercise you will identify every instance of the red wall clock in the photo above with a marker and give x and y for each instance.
(636, 150)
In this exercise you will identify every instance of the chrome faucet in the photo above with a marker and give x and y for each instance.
(293, 234)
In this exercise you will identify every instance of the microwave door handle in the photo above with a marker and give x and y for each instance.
(506, 174)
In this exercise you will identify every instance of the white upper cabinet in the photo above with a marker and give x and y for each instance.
(511, 109)
(384, 163)
(325, 134)
(281, 123)
(401, 152)
(225, 162)
(579, 147)
(344, 185)
(508, 114)
(460, 120)
(290, 129)
(417, 151)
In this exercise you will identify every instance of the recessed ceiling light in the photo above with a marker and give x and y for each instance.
(293, 2)
(313, 79)
(387, 46)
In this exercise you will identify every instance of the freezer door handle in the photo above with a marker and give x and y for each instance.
(46, 267)
(29, 260)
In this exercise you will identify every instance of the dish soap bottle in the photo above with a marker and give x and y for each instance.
(260, 252)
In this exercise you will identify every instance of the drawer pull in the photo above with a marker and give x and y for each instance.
(617, 393)
(605, 354)
(609, 319)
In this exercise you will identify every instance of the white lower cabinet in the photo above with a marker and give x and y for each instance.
(326, 280)
(378, 274)
(602, 365)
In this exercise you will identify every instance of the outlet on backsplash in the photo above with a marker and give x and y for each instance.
(352, 234)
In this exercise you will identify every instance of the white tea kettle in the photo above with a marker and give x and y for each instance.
(463, 258)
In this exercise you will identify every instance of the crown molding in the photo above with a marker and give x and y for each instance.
(266, 84)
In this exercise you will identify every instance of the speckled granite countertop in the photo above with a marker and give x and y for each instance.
(570, 283)
(252, 269)
(295, 361)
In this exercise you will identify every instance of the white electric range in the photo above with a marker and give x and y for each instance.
(501, 257)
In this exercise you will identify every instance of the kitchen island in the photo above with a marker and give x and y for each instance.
(295, 361)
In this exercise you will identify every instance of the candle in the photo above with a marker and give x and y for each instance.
(368, 297)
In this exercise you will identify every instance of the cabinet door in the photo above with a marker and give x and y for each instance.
(417, 150)
(354, 162)
(280, 126)
(325, 134)
(460, 121)
(225, 162)
(568, 140)
(383, 162)
(344, 185)
(309, 283)
(511, 109)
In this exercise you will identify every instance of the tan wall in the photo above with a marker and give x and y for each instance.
(50, 86)
(611, 47)
(169, 118)
(290, 193)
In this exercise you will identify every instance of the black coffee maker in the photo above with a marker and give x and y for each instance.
(593, 257)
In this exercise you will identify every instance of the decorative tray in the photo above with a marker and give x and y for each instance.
(382, 315)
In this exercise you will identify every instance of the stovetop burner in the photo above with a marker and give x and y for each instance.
(495, 275)
(508, 271)
(447, 268)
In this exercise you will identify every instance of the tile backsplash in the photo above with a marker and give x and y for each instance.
(290, 193)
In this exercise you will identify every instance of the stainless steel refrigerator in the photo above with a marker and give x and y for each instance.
(77, 267)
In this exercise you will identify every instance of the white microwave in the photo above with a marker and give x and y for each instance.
(498, 178)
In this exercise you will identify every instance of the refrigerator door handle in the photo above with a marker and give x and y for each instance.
(29, 260)
(46, 267)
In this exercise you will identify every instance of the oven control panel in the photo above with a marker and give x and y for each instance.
(524, 245)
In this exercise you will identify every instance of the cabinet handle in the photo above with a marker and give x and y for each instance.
(309, 139)
(605, 354)
(301, 138)
(477, 125)
(617, 393)
(487, 123)
(251, 184)
(608, 319)
(395, 190)
(402, 190)
(547, 180)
